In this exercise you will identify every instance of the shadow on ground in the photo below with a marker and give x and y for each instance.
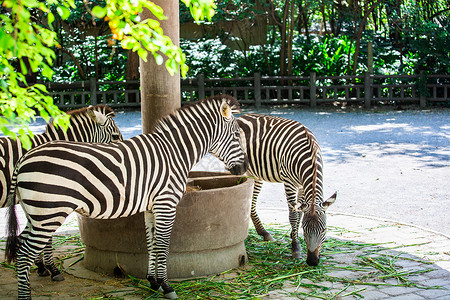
(349, 269)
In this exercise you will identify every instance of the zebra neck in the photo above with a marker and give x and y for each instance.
(39, 139)
(189, 140)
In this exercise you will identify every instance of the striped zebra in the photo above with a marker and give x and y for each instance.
(147, 173)
(90, 124)
(282, 150)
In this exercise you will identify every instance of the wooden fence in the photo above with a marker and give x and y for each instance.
(367, 90)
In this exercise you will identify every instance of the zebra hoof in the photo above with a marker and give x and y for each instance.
(171, 295)
(44, 273)
(268, 237)
(58, 277)
(296, 254)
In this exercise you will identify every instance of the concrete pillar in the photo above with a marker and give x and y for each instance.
(160, 92)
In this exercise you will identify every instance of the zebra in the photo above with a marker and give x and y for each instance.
(147, 173)
(282, 150)
(89, 124)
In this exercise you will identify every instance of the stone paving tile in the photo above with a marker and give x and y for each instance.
(407, 297)
(374, 295)
(439, 273)
(399, 290)
(433, 294)
(442, 281)
(357, 229)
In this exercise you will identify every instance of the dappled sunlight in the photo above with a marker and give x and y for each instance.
(384, 127)
(425, 155)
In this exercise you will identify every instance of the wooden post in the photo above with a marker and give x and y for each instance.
(257, 89)
(160, 92)
(201, 86)
(312, 89)
(423, 89)
(93, 90)
(370, 57)
(367, 94)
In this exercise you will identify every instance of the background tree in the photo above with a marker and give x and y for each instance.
(27, 44)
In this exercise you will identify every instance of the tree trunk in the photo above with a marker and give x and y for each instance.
(359, 33)
(283, 31)
(97, 75)
(160, 92)
(290, 39)
(76, 61)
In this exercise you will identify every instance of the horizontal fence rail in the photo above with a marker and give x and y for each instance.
(367, 90)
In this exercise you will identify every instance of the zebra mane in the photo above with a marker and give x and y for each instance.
(104, 109)
(165, 121)
(75, 113)
(232, 102)
(314, 148)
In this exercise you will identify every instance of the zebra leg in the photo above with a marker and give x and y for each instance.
(31, 244)
(294, 218)
(256, 221)
(39, 262)
(46, 266)
(164, 220)
(149, 219)
(49, 263)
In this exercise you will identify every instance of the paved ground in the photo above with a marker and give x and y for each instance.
(412, 248)
(415, 247)
(390, 165)
(387, 164)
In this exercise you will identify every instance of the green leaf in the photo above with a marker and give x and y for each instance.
(63, 12)
(25, 140)
(30, 3)
(47, 71)
(142, 54)
(50, 18)
(159, 59)
(155, 9)
(99, 12)
(184, 69)
(23, 68)
(128, 43)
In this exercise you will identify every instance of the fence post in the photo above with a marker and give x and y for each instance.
(257, 89)
(367, 94)
(201, 86)
(93, 90)
(312, 89)
(423, 89)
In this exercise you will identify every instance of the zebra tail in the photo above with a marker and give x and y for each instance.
(12, 229)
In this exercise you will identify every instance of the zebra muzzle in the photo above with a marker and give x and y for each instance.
(312, 258)
(239, 169)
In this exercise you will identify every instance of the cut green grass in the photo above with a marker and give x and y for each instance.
(347, 268)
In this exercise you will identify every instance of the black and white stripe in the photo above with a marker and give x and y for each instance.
(93, 124)
(147, 173)
(282, 150)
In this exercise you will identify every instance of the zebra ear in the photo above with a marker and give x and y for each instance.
(329, 201)
(225, 109)
(96, 116)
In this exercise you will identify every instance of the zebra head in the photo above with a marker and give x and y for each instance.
(106, 130)
(314, 225)
(228, 146)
